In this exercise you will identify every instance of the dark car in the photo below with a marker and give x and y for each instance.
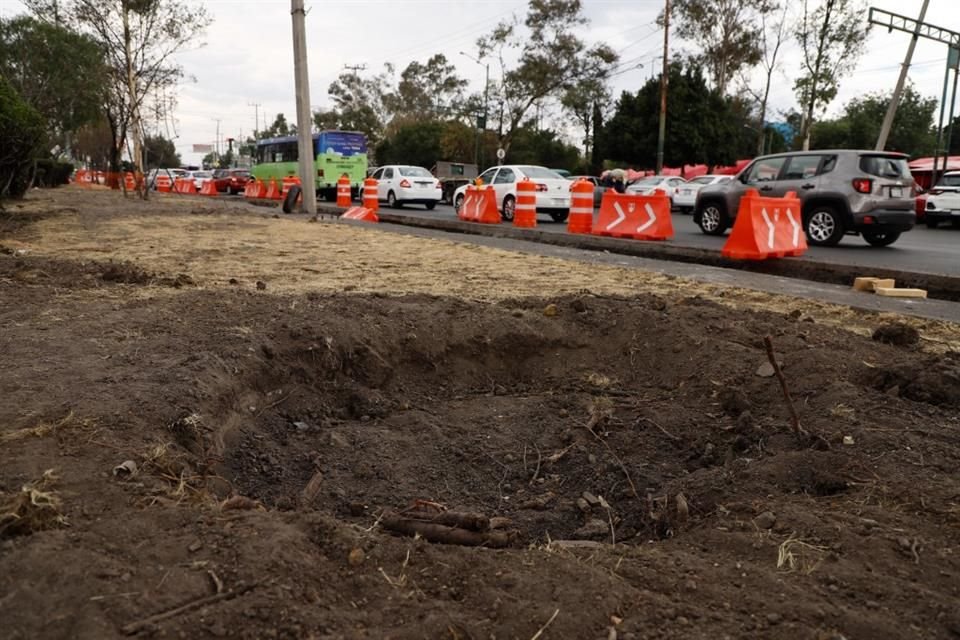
(231, 180)
(841, 191)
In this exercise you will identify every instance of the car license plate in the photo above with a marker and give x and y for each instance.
(559, 201)
(896, 192)
(686, 192)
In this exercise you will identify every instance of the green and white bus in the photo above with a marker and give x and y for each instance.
(336, 153)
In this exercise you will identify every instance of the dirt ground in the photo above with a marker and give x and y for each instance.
(210, 417)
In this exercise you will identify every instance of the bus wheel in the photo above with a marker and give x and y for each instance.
(290, 201)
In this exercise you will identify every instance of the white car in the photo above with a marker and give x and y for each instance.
(646, 186)
(404, 184)
(173, 174)
(943, 201)
(553, 190)
(685, 195)
(199, 178)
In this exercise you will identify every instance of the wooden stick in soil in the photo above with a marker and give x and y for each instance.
(140, 625)
(460, 519)
(797, 428)
(432, 532)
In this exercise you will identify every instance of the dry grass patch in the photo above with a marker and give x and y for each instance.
(36, 507)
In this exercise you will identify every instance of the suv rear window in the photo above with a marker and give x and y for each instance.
(885, 166)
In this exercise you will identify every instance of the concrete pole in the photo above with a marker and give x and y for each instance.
(895, 100)
(307, 171)
(663, 87)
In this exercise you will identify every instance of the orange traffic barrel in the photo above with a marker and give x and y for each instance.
(343, 191)
(580, 219)
(525, 212)
(370, 195)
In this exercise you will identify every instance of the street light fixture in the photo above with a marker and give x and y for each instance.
(486, 96)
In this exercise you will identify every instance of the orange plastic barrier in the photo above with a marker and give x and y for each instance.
(627, 215)
(479, 205)
(525, 212)
(370, 199)
(766, 228)
(261, 192)
(185, 186)
(129, 183)
(360, 213)
(343, 192)
(163, 183)
(274, 190)
(580, 219)
(209, 188)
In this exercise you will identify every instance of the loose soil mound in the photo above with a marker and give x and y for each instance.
(650, 479)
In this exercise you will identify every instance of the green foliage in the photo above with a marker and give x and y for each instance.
(160, 153)
(21, 132)
(59, 72)
(859, 126)
(728, 32)
(279, 128)
(551, 57)
(543, 147)
(703, 126)
(831, 38)
(416, 143)
(426, 90)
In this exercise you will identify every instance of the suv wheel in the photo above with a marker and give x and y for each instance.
(823, 227)
(509, 206)
(881, 238)
(713, 219)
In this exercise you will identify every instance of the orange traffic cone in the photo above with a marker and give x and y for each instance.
(273, 190)
(370, 198)
(343, 191)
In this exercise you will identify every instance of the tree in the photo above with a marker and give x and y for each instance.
(416, 143)
(21, 131)
(138, 39)
(703, 126)
(775, 24)
(543, 147)
(160, 153)
(582, 100)
(429, 90)
(279, 128)
(32, 59)
(727, 31)
(859, 126)
(830, 38)
(323, 120)
(361, 102)
(551, 58)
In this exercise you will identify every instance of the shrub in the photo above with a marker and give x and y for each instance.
(21, 132)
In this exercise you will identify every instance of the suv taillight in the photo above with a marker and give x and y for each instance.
(862, 185)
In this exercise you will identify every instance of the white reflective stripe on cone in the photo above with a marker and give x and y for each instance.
(581, 210)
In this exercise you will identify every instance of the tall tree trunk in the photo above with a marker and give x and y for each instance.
(135, 130)
(812, 100)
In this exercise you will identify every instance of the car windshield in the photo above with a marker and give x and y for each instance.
(202, 174)
(703, 180)
(415, 172)
(885, 166)
(950, 180)
(646, 182)
(540, 173)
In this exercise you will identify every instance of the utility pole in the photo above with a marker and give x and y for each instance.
(217, 145)
(308, 180)
(663, 86)
(895, 100)
(256, 118)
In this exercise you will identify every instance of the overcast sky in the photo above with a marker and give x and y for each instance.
(247, 57)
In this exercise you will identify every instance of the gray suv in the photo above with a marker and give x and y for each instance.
(840, 191)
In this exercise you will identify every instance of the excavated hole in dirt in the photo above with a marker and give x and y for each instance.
(584, 424)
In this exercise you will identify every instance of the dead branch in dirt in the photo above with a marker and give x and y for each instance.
(444, 534)
(35, 507)
(658, 427)
(623, 467)
(146, 623)
(544, 627)
(461, 519)
(797, 427)
(536, 471)
(273, 404)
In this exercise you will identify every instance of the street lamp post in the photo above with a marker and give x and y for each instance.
(486, 97)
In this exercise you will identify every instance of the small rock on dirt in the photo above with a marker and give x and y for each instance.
(765, 370)
(594, 528)
(898, 334)
(765, 520)
(774, 618)
(583, 505)
(590, 499)
(550, 310)
(261, 285)
(848, 440)
(125, 470)
(579, 306)
(356, 557)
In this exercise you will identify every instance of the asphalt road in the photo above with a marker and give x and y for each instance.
(935, 251)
